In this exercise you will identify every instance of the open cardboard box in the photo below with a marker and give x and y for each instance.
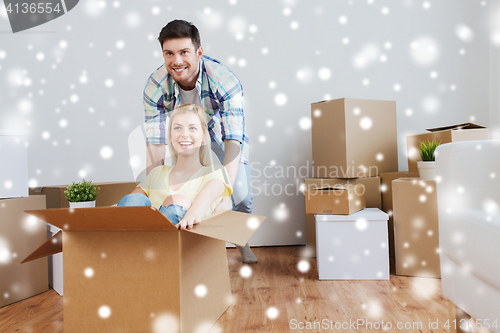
(447, 134)
(342, 199)
(128, 269)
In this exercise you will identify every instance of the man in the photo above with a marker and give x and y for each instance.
(187, 76)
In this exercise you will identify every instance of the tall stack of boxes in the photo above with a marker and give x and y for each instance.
(19, 232)
(353, 141)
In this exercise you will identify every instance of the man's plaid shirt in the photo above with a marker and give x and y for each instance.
(221, 96)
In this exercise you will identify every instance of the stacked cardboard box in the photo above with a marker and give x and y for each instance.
(353, 141)
(416, 233)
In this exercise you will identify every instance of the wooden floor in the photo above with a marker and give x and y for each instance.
(277, 297)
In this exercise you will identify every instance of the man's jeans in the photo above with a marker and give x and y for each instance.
(174, 213)
(242, 191)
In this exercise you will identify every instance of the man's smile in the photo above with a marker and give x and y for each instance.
(179, 69)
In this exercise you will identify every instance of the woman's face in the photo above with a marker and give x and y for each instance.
(186, 133)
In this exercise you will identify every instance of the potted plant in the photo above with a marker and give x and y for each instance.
(427, 167)
(81, 195)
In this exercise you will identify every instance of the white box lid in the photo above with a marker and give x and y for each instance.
(369, 214)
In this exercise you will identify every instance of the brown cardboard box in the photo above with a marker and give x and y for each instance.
(386, 189)
(353, 138)
(372, 196)
(19, 235)
(342, 199)
(132, 270)
(371, 184)
(416, 227)
(109, 194)
(454, 133)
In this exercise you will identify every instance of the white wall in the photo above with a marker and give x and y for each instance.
(494, 122)
(71, 116)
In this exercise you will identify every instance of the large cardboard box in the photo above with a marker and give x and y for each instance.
(386, 189)
(109, 193)
(353, 247)
(19, 235)
(372, 197)
(447, 134)
(341, 199)
(353, 138)
(14, 165)
(128, 269)
(416, 234)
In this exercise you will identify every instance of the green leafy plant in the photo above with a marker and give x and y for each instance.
(79, 192)
(427, 150)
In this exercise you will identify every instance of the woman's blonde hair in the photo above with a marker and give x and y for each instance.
(205, 149)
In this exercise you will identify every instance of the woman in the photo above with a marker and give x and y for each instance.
(191, 189)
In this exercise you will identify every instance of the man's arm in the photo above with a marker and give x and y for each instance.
(232, 150)
(155, 156)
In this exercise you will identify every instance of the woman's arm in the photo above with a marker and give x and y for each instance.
(212, 190)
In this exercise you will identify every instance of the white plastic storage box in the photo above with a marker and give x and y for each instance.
(55, 263)
(353, 247)
(14, 165)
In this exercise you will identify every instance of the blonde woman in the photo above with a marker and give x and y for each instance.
(193, 187)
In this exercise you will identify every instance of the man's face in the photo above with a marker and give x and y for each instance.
(181, 61)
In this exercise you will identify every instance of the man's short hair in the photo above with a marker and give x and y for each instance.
(180, 29)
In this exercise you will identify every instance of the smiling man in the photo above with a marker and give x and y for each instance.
(189, 77)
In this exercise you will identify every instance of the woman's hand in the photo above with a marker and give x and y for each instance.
(192, 217)
(211, 191)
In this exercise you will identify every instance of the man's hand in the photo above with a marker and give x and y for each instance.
(226, 203)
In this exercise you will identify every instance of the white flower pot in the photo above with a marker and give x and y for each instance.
(83, 204)
(427, 170)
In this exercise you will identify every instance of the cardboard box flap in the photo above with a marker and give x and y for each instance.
(455, 127)
(105, 218)
(229, 226)
(50, 247)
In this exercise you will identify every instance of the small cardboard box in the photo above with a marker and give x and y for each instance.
(353, 247)
(343, 199)
(372, 187)
(128, 269)
(19, 235)
(386, 189)
(372, 196)
(14, 165)
(447, 134)
(109, 193)
(416, 234)
(353, 138)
